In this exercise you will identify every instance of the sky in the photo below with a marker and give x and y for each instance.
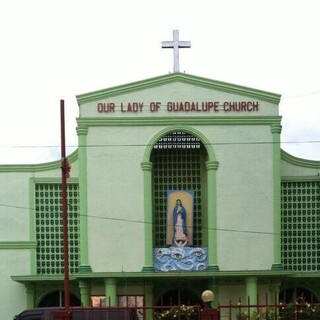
(53, 50)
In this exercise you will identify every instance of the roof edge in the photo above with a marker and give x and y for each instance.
(177, 77)
(38, 166)
(299, 161)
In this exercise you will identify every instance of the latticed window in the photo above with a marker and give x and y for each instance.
(300, 225)
(49, 228)
(179, 164)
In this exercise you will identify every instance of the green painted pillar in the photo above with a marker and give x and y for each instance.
(274, 288)
(148, 294)
(148, 241)
(215, 290)
(84, 293)
(30, 291)
(110, 288)
(213, 286)
(252, 290)
(212, 167)
(82, 156)
(276, 130)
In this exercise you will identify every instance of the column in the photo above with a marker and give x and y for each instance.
(213, 286)
(84, 293)
(274, 288)
(212, 167)
(148, 294)
(276, 130)
(110, 288)
(251, 291)
(148, 240)
(30, 291)
(82, 156)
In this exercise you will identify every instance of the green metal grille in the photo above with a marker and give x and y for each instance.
(300, 225)
(49, 228)
(178, 164)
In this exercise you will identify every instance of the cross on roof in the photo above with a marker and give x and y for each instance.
(175, 45)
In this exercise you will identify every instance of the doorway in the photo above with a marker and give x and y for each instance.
(178, 297)
(56, 299)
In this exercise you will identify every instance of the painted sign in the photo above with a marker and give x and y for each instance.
(178, 106)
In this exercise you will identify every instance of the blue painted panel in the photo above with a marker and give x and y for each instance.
(180, 259)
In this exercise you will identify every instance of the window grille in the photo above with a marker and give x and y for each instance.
(300, 225)
(178, 164)
(49, 228)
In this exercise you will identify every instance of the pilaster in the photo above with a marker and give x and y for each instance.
(148, 241)
(212, 167)
(82, 132)
(276, 131)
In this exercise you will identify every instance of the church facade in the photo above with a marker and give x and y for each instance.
(178, 186)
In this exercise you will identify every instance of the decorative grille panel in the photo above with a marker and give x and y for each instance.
(300, 225)
(177, 165)
(49, 228)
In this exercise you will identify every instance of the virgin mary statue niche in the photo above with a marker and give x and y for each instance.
(179, 218)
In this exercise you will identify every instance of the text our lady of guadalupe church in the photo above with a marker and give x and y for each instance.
(186, 106)
(178, 187)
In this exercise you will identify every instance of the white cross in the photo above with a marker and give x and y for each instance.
(175, 44)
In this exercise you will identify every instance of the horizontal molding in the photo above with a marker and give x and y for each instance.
(12, 245)
(52, 180)
(300, 178)
(194, 121)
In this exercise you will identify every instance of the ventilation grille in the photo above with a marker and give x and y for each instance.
(49, 228)
(300, 225)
